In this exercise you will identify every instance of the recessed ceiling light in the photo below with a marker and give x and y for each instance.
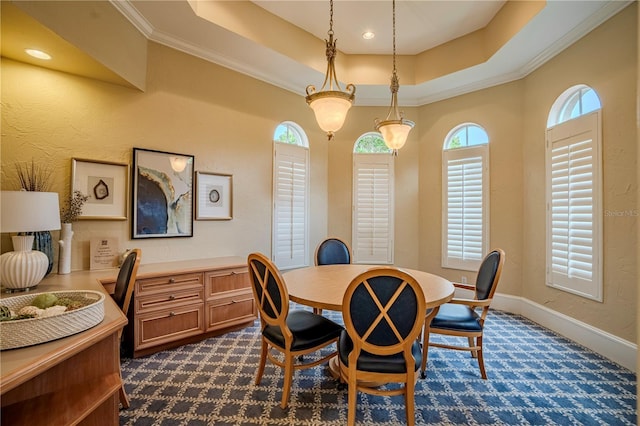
(38, 54)
(368, 35)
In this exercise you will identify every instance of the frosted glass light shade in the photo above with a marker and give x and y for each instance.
(330, 112)
(395, 134)
(22, 268)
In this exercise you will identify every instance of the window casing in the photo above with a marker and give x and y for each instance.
(574, 206)
(290, 240)
(373, 201)
(465, 197)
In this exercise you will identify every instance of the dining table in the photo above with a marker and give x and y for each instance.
(323, 287)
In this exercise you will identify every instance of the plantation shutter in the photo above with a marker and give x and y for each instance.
(290, 226)
(572, 212)
(373, 208)
(465, 188)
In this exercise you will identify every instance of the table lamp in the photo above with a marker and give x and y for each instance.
(23, 212)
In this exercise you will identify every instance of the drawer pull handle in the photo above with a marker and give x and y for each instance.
(172, 297)
(172, 280)
(233, 272)
(172, 314)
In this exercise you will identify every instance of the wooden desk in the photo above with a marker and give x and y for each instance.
(74, 380)
(324, 286)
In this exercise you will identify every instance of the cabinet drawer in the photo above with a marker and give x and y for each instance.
(166, 326)
(226, 280)
(228, 311)
(169, 299)
(168, 283)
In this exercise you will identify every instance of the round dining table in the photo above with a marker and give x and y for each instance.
(323, 287)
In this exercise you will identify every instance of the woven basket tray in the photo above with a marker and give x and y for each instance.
(32, 331)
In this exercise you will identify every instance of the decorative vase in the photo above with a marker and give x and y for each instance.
(23, 268)
(64, 257)
(42, 242)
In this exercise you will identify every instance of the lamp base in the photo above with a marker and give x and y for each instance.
(24, 268)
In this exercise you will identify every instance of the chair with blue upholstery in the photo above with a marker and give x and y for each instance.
(292, 333)
(461, 318)
(331, 251)
(383, 310)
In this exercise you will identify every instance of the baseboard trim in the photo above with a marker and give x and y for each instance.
(606, 344)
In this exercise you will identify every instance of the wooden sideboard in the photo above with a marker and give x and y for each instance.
(73, 380)
(186, 301)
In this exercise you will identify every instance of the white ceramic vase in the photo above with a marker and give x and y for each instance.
(64, 257)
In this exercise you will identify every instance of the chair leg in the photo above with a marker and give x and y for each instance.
(317, 311)
(352, 397)
(472, 343)
(425, 339)
(409, 400)
(288, 378)
(263, 361)
(124, 399)
(481, 359)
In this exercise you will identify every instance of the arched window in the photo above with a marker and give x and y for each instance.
(291, 196)
(465, 197)
(574, 102)
(574, 193)
(373, 185)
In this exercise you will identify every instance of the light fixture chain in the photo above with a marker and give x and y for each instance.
(394, 36)
(330, 32)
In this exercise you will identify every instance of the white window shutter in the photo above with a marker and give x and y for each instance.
(373, 226)
(465, 207)
(573, 207)
(290, 217)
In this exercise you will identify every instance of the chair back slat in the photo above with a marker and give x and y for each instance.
(332, 251)
(489, 274)
(125, 281)
(383, 309)
(269, 290)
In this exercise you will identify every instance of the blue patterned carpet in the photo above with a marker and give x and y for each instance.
(535, 378)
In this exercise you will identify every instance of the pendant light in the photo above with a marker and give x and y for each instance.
(394, 128)
(331, 105)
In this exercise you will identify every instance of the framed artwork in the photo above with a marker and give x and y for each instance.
(162, 194)
(214, 200)
(107, 186)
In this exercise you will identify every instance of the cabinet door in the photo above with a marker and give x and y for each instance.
(229, 299)
(229, 311)
(164, 326)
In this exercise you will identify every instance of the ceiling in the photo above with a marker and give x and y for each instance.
(445, 48)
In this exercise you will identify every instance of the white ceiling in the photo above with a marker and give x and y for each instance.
(420, 25)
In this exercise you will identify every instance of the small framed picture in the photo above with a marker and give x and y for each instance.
(162, 194)
(214, 200)
(107, 186)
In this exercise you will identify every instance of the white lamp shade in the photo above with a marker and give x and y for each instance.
(29, 211)
(330, 112)
(395, 134)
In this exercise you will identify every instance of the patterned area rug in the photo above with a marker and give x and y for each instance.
(535, 378)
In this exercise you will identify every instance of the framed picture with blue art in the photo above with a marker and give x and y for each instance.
(162, 194)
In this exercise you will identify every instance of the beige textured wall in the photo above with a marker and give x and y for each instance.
(499, 111)
(605, 60)
(191, 106)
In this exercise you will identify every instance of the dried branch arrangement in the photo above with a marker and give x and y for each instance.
(33, 176)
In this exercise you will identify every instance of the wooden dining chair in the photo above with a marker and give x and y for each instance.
(460, 318)
(383, 311)
(122, 295)
(331, 251)
(291, 333)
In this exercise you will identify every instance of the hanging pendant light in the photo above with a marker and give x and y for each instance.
(331, 105)
(394, 128)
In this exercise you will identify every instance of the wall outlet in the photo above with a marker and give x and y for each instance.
(463, 280)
